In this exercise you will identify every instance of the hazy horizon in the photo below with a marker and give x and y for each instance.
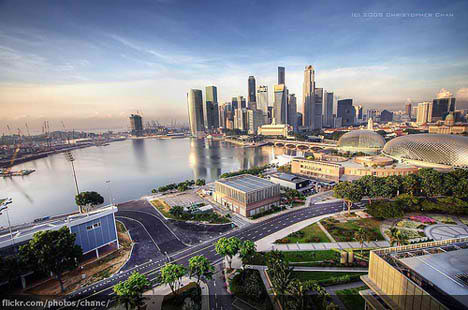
(91, 64)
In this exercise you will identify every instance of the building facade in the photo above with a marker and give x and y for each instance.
(281, 75)
(136, 125)
(308, 97)
(255, 120)
(292, 112)
(386, 116)
(195, 111)
(274, 130)
(327, 109)
(289, 180)
(262, 98)
(424, 114)
(346, 111)
(246, 194)
(252, 96)
(210, 108)
(281, 104)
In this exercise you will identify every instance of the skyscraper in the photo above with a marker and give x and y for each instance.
(252, 95)
(281, 104)
(210, 108)
(408, 110)
(327, 109)
(241, 102)
(255, 120)
(292, 111)
(358, 109)
(386, 116)
(308, 96)
(281, 75)
(317, 110)
(424, 114)
(262, 98)
(234, 103)
(346, 112)
(441, 107)
(136, 125)
(195, 111)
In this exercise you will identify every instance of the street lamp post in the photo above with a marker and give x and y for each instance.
(4, 207)
(111, 199)
(71, 159)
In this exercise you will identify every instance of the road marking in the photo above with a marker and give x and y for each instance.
(129, 218)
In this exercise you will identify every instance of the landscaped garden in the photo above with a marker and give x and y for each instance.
(309, 234)
(345, 231)
(188, 297)
(248, 286)
(178, 213)
(351, 298)
(325, 278)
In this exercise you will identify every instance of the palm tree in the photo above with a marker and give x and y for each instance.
(361, 235)
(402, 238)
(393, 236)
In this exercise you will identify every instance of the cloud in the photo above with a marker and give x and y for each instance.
(444, 93)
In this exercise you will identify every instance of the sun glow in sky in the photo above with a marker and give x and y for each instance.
(92, 63)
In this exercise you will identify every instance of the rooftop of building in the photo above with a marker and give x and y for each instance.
(288, 177)
(26, 232)
(442, 265)
(246, 183)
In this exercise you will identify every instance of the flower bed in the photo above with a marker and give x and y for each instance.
(409, 224)
(444, 219)
(423, 219)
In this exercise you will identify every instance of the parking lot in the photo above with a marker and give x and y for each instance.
(183, 200)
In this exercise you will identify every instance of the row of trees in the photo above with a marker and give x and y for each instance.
(254, 171)
(181, 187)
(130, 292)
(427, 182)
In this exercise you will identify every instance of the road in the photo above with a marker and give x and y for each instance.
(252, 232)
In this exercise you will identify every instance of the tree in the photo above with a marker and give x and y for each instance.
(411, 184)
(431, 182)
(200, 267)
(461, 189)
(393, 183)
(398, 237)
(350, 192)
(200, 182)
(88, 200)
(52, 251)
(10, 269)
(171, 274)
(130, 292)
(176, 211)
(228, 247)
(361, 235)
(281, 274)
(247, 250)
(297, 290)
(253, 285)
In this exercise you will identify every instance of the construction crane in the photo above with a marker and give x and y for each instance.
(66, 133)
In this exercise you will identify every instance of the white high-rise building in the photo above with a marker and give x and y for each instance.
(424, 114)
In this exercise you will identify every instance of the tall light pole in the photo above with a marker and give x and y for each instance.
(4, 207)
(71, 159)
(110, 192)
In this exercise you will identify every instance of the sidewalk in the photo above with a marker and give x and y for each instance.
(156, 294)
(327, 246)
(317, 269)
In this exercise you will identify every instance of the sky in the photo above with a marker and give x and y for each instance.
(92, 63)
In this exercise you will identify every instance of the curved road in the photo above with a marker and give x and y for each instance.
(253, 232)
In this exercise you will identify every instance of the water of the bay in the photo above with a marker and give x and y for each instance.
(133, 167)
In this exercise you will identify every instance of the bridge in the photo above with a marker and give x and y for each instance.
(300, 145)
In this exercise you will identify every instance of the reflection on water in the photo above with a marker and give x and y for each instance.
(134, 167)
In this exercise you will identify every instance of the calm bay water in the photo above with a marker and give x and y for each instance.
(134, 167)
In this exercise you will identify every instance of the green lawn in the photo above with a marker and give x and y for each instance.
(345, 231)
(310, 256)
(309, 234)
(326, 278)
(351, 298)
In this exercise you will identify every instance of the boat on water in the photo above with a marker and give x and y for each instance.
(14, 173)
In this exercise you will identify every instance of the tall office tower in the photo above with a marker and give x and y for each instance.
(408, 110)
(235, 105)
(424, 114)
(195, 111)
(308, 97)
(327, 109)
(255, 120)
(346, 112)
(386, 116)
(281, 75)
(299, 119)
(136, 125)
(292, 112)
(271, 115)
(372, 114)
(317, 111)
(281, 104)
(358, 113)
(210, 108)
(222, 115)
(241, 102)
(252, 88)
(441, 107)
(262, 100)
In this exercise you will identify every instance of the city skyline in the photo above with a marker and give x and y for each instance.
(60, 64)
